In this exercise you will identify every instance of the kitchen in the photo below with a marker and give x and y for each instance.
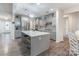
(39, 29)
(35, 28)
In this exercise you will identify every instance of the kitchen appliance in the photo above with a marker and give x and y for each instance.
(17, 26)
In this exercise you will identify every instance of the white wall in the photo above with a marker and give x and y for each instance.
(6, 14)
(73, 22)
(77, 22)
(71, 10)
(59, 25)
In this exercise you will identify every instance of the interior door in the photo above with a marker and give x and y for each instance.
(5, 26)
(66, 27)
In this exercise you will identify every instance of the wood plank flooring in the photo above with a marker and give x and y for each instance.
(9, 47)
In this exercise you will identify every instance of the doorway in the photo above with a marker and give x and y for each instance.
(66, 27)
(6, 26)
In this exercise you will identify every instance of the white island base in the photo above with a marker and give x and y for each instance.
(40, 41)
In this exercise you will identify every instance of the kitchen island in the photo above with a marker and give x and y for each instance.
(39, 41)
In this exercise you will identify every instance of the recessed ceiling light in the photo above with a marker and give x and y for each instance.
(31, 15)
(51, 9)
(37, 3)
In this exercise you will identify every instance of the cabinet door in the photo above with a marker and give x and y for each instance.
(39, 44)
(35, 45)
(44, 42)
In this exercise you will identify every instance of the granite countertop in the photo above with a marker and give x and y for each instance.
(34, 33)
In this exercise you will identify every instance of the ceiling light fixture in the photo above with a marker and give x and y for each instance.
(31, 15)
(51, 9)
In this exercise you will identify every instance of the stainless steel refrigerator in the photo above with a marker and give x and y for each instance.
(17, 27)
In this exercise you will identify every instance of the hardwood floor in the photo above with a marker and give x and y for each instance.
(58, 49)
(9, 47)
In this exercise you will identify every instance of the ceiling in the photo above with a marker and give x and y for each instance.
(5, 10)
(42, 9)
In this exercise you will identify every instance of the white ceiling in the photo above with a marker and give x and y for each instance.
(41, 9)
(6, 8)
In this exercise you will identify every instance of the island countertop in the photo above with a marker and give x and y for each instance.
(34, 33)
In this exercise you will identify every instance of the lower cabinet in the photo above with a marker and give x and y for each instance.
(34, 45)
(25, 45)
